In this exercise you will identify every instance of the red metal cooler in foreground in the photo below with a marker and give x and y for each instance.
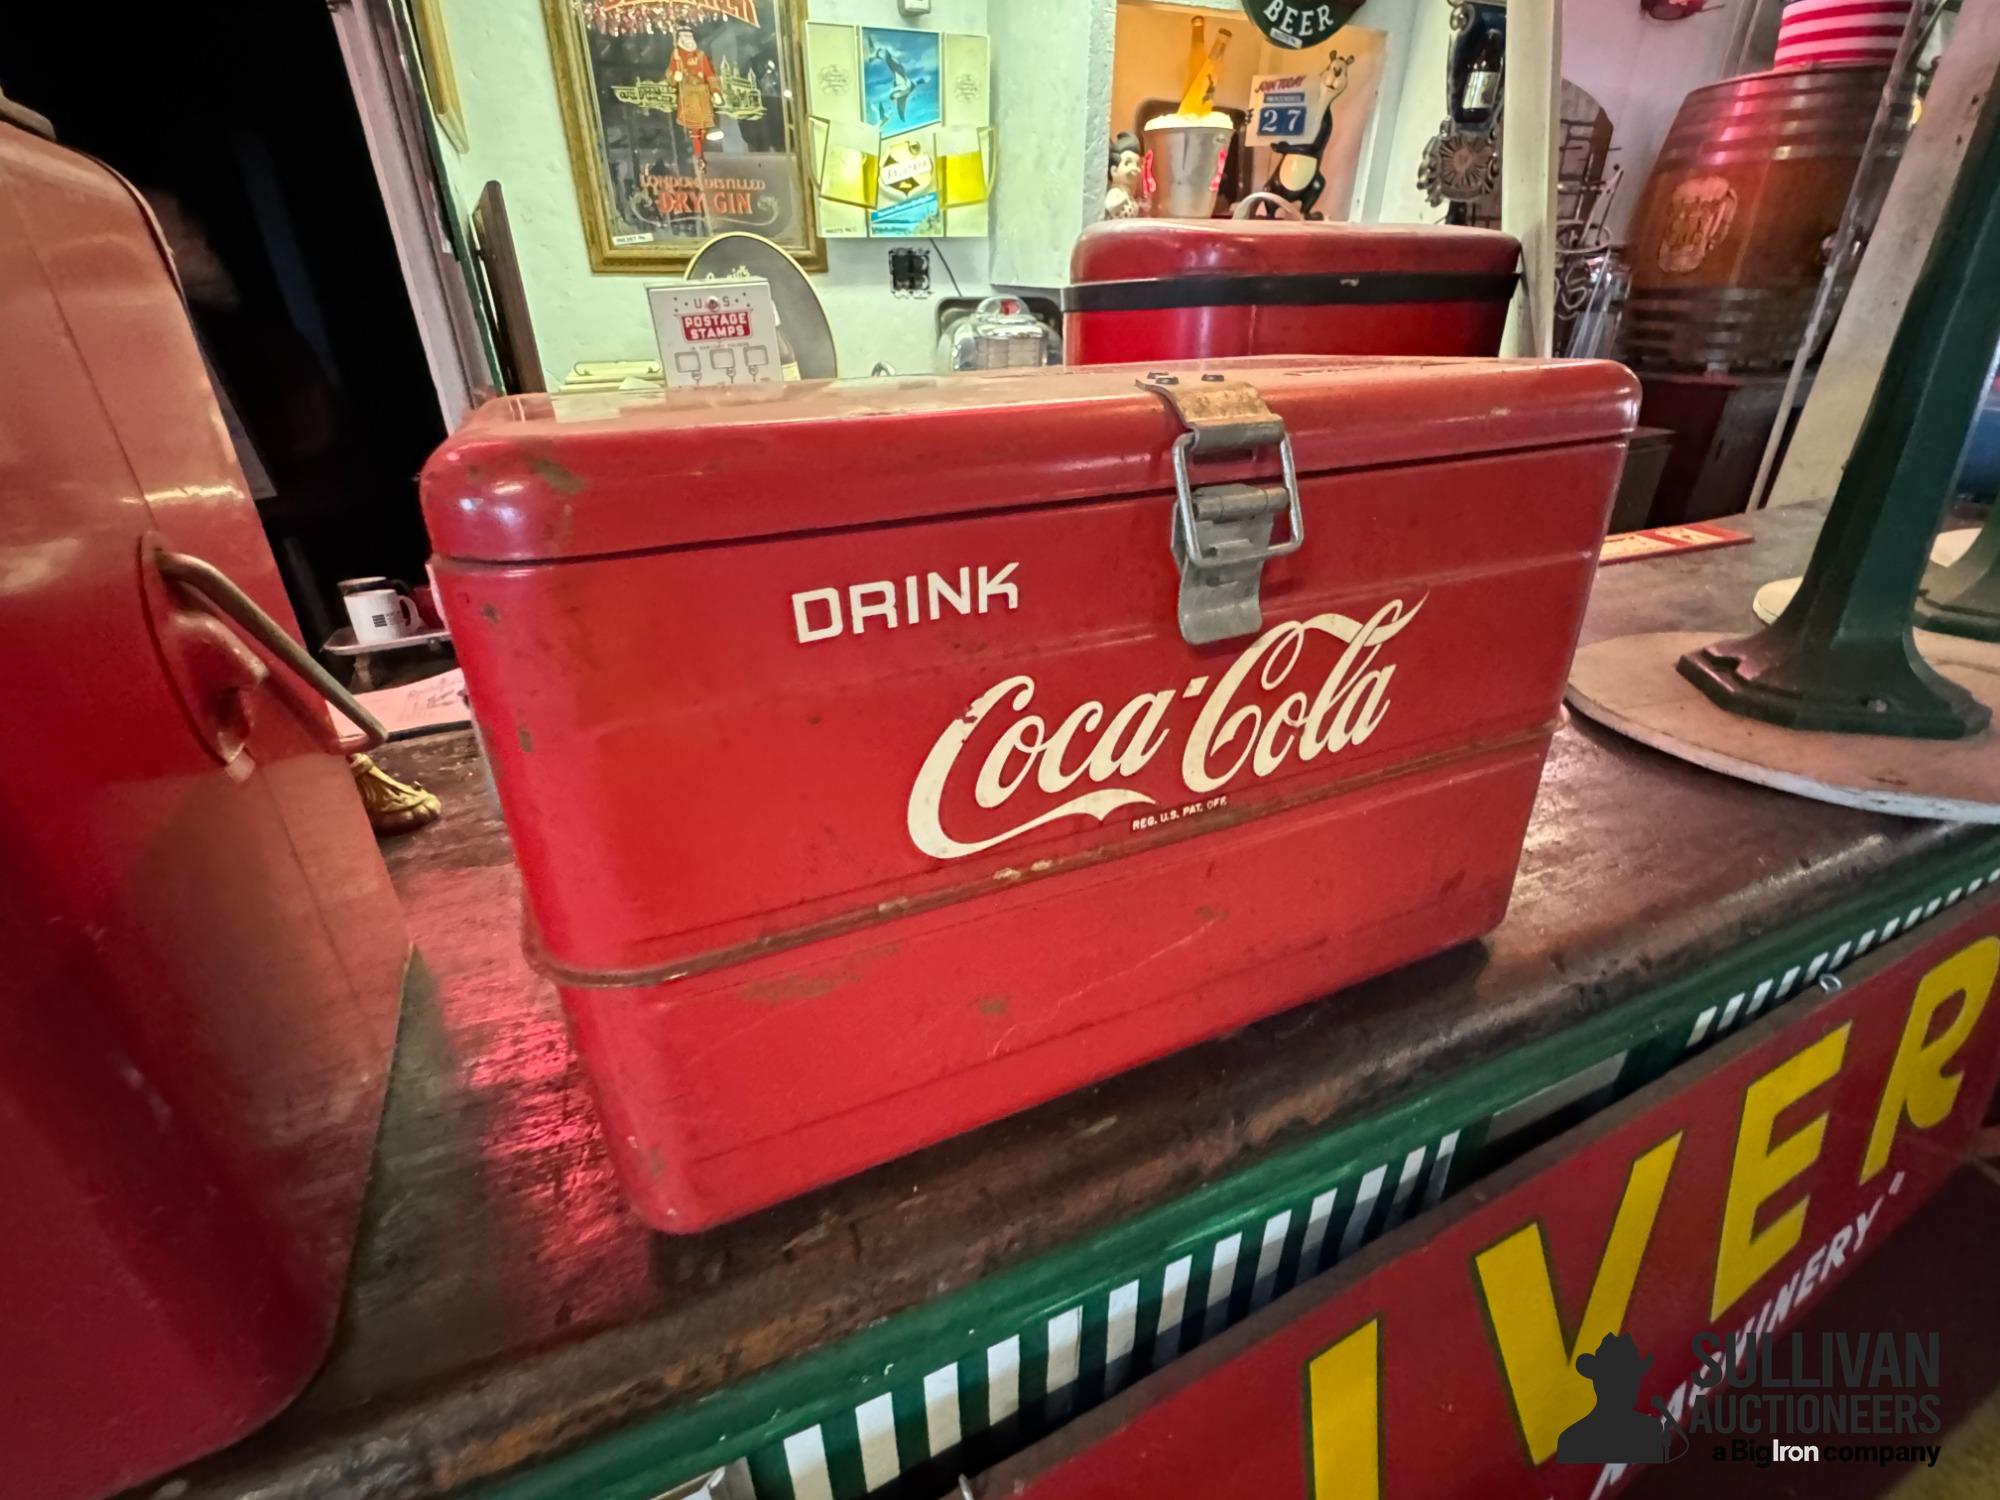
(204, 955)
(1162, 289)
(888, 756)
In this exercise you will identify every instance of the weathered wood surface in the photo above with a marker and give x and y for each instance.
(505, 1305)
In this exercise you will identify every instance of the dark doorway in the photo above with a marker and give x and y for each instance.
(237, 122)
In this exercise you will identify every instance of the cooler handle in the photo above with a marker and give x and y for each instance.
(219, 589)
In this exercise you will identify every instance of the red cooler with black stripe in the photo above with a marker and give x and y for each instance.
(1145, 290)
(887, 756)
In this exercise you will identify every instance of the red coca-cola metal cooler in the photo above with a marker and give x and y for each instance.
(204, 955)
(1162, 289)
(887, 756)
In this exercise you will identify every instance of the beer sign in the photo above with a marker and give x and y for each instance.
(1292, 24)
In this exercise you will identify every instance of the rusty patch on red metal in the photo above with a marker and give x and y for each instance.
(556, 476)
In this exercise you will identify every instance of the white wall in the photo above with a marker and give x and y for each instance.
(1410, 114)
(1640, 70)
(1052, 107)
(1052, 81)
(501, 55)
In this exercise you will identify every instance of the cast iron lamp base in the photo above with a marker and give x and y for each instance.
(1869, 688)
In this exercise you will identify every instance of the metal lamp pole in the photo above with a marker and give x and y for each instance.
(1841, 657)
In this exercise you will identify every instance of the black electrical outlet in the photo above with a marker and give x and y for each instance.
(910, 273)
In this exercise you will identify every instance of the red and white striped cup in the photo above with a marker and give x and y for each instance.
(1840, 31)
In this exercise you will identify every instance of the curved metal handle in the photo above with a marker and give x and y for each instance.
(220, 590)
(1281, 208)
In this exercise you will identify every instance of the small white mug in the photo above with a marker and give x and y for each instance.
(380, 610)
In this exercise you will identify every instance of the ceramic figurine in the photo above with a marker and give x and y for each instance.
(1123, 200)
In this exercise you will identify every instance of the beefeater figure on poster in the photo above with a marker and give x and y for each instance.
(694, 81)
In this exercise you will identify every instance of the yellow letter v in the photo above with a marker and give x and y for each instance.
(1520, 1296)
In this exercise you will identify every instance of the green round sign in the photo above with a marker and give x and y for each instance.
(1300, 23)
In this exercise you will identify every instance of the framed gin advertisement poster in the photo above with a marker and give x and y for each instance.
(684, 120)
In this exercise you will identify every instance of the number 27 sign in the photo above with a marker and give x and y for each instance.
(1621, 1298)
(1284, 107)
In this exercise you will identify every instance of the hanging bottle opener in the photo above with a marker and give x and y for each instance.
(1222, 532)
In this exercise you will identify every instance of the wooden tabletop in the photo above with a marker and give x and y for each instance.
(505, 1305)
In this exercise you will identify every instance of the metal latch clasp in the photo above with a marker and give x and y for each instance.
(1222, 533)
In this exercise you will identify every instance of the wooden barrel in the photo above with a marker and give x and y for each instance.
(1738, 215)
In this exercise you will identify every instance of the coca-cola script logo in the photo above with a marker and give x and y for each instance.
(1237, 729)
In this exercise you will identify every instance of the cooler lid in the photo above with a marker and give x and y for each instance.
(1141, 249)
(541, 478)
